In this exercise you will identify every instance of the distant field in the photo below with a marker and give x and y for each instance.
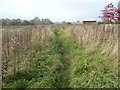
(60, 56)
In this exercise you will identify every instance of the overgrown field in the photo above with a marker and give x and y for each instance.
(60, 56)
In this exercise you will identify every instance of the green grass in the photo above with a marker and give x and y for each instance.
(66, 64)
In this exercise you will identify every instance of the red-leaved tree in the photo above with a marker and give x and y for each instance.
(109, 14)
(118, 12)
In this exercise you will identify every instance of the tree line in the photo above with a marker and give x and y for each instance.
(18, 22)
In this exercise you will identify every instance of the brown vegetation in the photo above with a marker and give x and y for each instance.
(30, 39)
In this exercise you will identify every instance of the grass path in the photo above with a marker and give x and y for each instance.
(63, 74)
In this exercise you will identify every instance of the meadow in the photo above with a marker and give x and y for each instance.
(60, 56)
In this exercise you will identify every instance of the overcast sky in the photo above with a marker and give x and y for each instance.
(55, 10)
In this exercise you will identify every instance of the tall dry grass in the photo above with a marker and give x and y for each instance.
(21, 43)
(96, 35)
(103, 37)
